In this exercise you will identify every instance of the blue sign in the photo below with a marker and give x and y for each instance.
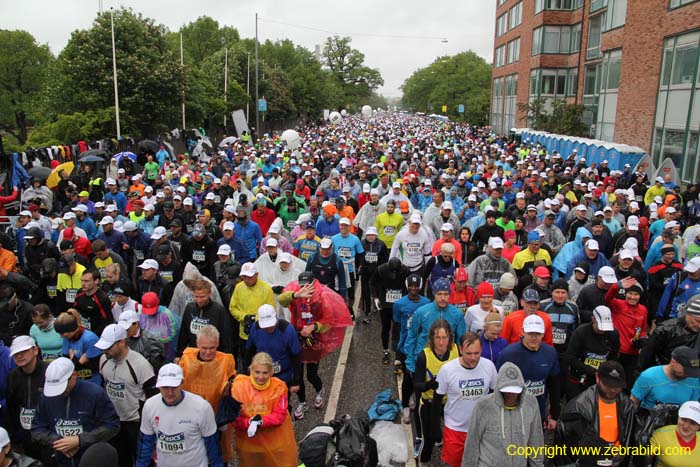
(262, 105)
(460, 108)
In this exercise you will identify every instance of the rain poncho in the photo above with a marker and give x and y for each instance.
(183, 295)
(568, 252)
(328, 310)
(164, 326)
(272, 274)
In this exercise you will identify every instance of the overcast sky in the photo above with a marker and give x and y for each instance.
(466, 24)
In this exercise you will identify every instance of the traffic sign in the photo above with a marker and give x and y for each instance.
(444, 108)
(460, 108)
(262, 105)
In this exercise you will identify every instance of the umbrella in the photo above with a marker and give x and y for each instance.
(53, 178)
(228, 140)
(169, 147)
(149, 145)
(93, 152)
(119, 156)
(199, 149)
(41, 173)
(90, 158)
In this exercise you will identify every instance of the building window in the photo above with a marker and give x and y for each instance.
(550, 39)
(501, 2)
(594, 31)
(598, 4)
(501, 23)
(615, 14)
(510, 104)
(500, 56)
(572, 82)
(497, 105)
(677, 121)
(677, 3)
(553, 83)
(541, 5)
(609, 83)
(513, 51)
(515, 15)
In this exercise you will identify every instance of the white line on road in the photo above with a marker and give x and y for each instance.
(408, 430)
(338, 377)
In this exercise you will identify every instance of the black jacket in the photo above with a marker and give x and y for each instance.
(23, 393)
(213, 314)
(668, 336)
(34, 255)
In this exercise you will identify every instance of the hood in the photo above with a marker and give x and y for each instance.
(580, 234)
(669, 199)
(191, 273)
(279, 223)
(509, 375)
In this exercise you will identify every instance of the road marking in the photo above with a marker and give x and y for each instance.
(338, 377)
(407, 429)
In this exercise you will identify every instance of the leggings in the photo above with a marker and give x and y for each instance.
(428, 440)
(312, 376)
(366, 296)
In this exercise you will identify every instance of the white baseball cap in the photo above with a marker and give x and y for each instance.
(274, 228)
(607, 274)
(169, 376)
(110, 336)
(224, 250)
(344, 221)
(149, 264)
(447, 205)
(57, 375)
(495, 242)
(66, 216)
(107, 220)
(111, 207)
(210, 196)
(149, 207)
(626, 254)
(690, 410)
(127, 318)
(693, 265)
(326, 243)
(603, 318)
(80, 208)
(267, 316)
(533, 323)
(285, 257)
(158, 233)
(248, 270)
(446, 227)
(371, 230)
(20, 344)
(592, 245)
(129, 226)
(415, 219)
(187, 202)
(271, 242)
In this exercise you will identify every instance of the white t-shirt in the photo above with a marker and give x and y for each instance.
(179, 429)
(464, 388)
(475, 316)
(122, 390)
(411, 248)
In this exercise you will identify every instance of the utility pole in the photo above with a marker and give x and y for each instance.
(114, 74)
(247, 91)
(225, 85)
(257, 112)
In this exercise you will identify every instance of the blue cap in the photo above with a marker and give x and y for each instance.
(531, 295)
(533, 236)
(310, 225)
(441, 285)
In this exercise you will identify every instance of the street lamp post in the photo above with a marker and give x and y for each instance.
(247, 90)
(257, 112)
(114, 73)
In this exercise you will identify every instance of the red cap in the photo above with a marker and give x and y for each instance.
(33, 207)
(541, 271)
(138, 202)
(149, 303)
(484, 289)
(403, 206)
(461, 274)
(509, 234)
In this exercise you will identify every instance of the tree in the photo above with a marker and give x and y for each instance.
(23, 70)
(150, 79)
(556, 116)
(346, 64)
(201, 39)
(464, 78)
(89, 126)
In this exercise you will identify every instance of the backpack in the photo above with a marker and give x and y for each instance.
(354, 446)
(317, 448)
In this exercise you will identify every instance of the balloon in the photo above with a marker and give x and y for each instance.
(335, 118)
(343, 112)
(366, 111)
(291, 138)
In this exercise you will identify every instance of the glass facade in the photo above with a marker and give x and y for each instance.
(615, 14)
(515, 16)
(550, 39)
(541, 5)
(677, 121)
(504, 103)
(513, 52)
(501, 24)
(499, 58)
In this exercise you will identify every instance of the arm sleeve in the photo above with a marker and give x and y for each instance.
(666, 297)
(107, 423)
(144, 451)
(285, 298)
(226, 342)
(183, 335)
(234, 307)
(411, 336)
(471, 447)
(213, 450)
(278, 415)
(419, 374)
(42, 433)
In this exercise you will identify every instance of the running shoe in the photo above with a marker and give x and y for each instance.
(417, 447)
(318, 402)
(397, 368)
(386, 359)
(406, 415)
(300, 410)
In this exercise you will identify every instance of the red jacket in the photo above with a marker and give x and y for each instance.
(627, 320)
(513, 327)
(264, 221)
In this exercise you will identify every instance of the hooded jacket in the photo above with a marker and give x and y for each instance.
(493, 427)
(488, 268)
(568, 251)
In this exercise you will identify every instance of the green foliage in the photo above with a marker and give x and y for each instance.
(356, 80)
(150, 79)
(464, 78)
(23, 71)
(87, 126)
(558, 117)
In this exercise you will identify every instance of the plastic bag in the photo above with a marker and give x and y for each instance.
(384, 407)
(391, 443)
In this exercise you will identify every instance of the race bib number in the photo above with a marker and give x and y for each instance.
(276, 368)
(85, 373)
(393, 295)
(414, 249)
(594, 360)
(51, 291)
(49, 357)
(559, 336)
(389, 230)
(471, 389)
(116, 391)
(217, 199)
(86, 322)
(291, 224)
(70, 295)
(535, 388)
(190, 228)
(167, 276)
(171, 444)
(199, 255)
(65, 428)
(139, 255)
(25, 418)
(371, 257)
(197, 324)
(344, 252)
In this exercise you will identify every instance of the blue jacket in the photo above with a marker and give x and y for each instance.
(283, 346)
(492, 349)
(114, 241)
(88, 225)
(654, 254)
(424, 316)
(6, 366)
(238, 248)
(677, 294)
(118, 198)
(139, 246)
(327, 229)
(88, 407)
(568, 251)
(404, 310)
(595, 264)
(251, 236)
